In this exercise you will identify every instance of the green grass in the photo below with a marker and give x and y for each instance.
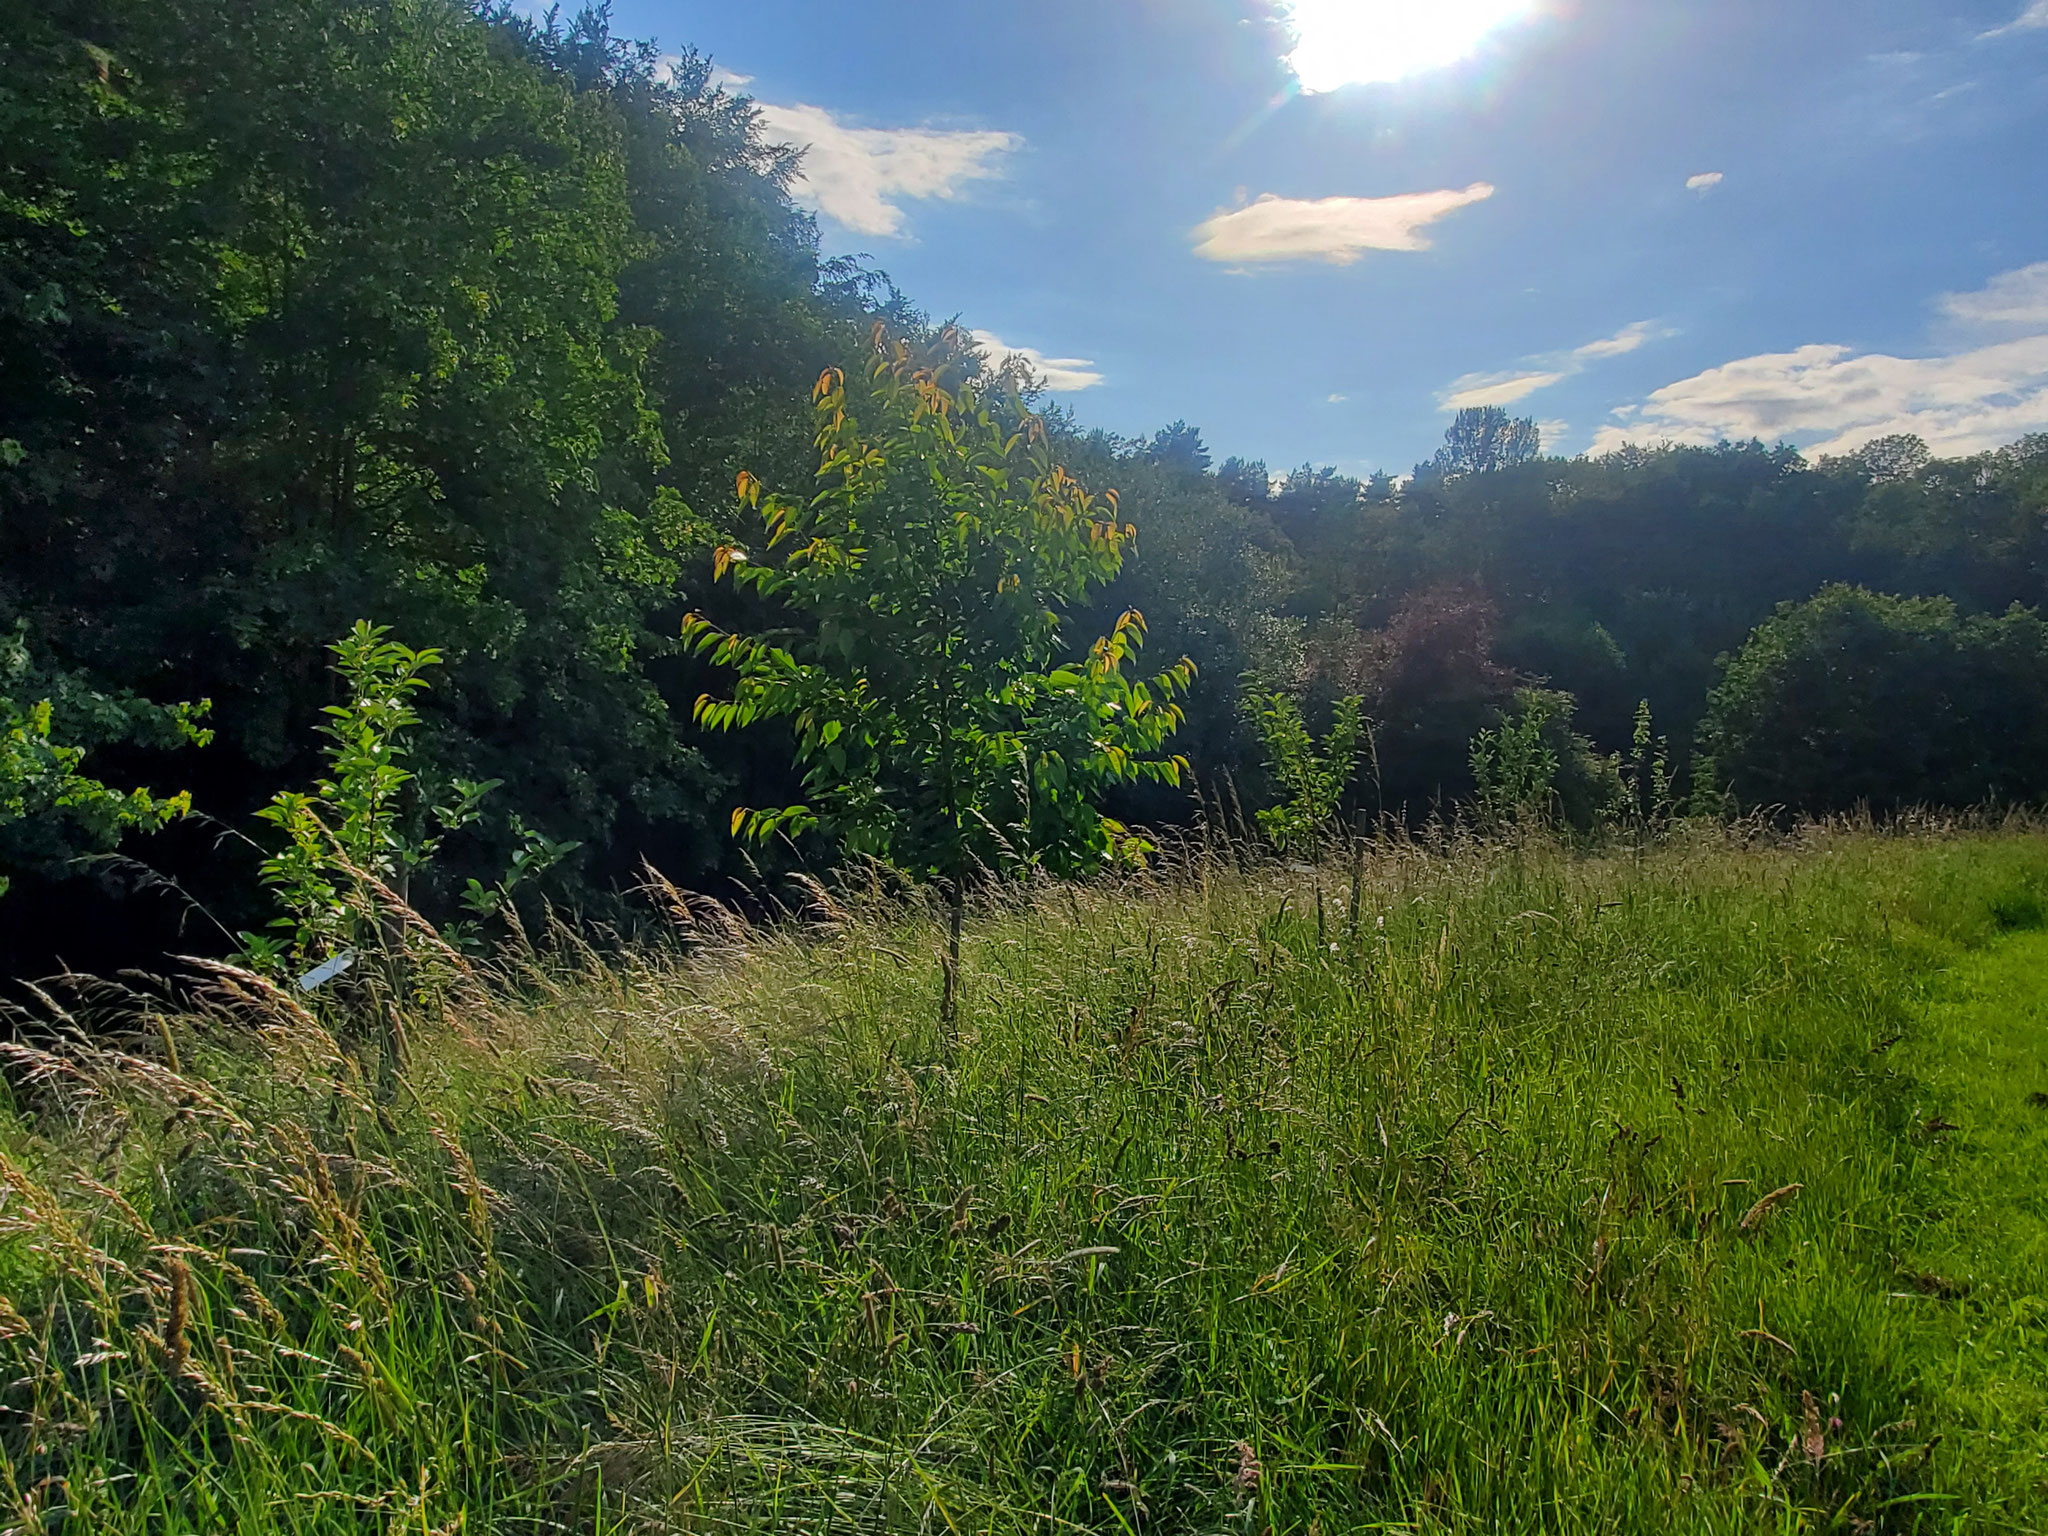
(1690, 1191)
(1980, 1249)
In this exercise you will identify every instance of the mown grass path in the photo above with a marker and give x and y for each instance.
(1978, 1266)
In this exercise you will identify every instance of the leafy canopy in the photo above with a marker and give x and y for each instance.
(1482, 439)
(50, 813)
(936, 725)
(1859, 698)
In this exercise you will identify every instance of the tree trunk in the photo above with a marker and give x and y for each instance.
(1357, 889)
(391, 929)
(949, 1002)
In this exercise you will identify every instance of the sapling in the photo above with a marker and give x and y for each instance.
(343, 878)
(1315, 778)
(937, 725)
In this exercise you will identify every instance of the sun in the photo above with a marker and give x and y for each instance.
(1362, 42)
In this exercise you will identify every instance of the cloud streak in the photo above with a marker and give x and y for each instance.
(1621, 343)
(2017, 299)
(1507, 388)
(1062, 375)
(1705, 182)
(1337, 230)
(1830, 399)
(860, 177)
(1513, 385)
(2033, 18)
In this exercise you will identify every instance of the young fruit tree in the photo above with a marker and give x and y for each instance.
(1315, 780)
(936, 724)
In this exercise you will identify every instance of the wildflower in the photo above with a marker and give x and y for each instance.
(1246, 1478)
(1811, 1440)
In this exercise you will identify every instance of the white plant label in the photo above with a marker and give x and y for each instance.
(327, 970)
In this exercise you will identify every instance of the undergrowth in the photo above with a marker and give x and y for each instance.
(1497, 1189)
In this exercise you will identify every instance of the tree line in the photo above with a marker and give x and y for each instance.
(317, 312)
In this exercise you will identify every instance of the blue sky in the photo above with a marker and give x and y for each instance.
(1808, 220)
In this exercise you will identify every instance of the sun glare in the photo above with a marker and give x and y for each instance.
(1361, 42)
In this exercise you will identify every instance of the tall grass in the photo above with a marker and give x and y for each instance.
(1492, 1189)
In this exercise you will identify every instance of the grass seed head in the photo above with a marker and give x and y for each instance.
(1754, 1216)
(12, 1324)
(178, 1314)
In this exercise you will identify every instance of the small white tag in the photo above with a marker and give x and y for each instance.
(327, 970)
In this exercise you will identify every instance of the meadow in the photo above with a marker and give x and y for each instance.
(1464, 1187)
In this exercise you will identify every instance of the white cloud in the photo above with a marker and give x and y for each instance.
(1832, 399)
(1511, 385)
(1338, 399)
(1062, 375)
(1334, 229)
(1622, 342)
(1495, 389)
(2012, 299)
(1706, 181)
(857, 177)
(2034, 16)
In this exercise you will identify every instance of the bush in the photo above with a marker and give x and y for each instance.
(1855, 698)
(1313, 779)
(1535, 768)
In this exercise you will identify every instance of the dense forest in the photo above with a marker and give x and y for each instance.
(423, 314)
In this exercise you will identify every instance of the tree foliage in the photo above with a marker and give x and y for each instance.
(319, 310)
(936, 723)
(462, 323)
(1856, 698)
(1481, 439)
(51, 814)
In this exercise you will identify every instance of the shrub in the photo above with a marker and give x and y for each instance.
(1534, 767)
(1856, 698)
(1315, 780)
(352, 846)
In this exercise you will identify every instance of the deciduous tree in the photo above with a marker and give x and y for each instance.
(938, 720)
